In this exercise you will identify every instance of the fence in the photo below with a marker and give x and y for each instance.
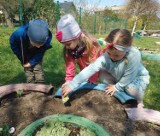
(93, 22)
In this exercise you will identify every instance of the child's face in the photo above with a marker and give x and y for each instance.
(38, 45)
(115, 55)
(71, 44)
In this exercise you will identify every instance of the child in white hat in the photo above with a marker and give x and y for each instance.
(79, 48)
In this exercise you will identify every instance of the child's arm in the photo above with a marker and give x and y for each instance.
(95, 53)
(70, 68)
(15, 45)
(84, 75)
(37, 58)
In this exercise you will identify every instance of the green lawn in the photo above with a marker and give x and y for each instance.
(12, 72)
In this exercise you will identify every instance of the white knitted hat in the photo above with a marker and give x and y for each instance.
(67, 29)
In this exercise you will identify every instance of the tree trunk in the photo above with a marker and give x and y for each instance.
(99, 29)
(135, 24)
(144, 28)
(7, 17)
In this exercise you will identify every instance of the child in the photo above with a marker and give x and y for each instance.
(29, 43)
(121, 68)
(79, 48)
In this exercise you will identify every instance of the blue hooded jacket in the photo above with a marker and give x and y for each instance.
(20, 44)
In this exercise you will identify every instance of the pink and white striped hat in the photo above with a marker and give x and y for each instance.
(67, 29)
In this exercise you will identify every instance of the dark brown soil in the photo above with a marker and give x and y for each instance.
(104, 110)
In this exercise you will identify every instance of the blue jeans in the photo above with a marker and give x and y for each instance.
(122, 96)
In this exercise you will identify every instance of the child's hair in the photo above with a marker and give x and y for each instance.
(119, 36)
(89, 43)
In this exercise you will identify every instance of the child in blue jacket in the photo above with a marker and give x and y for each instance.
(29, 44)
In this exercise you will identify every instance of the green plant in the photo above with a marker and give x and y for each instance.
(4, 130)
(19, 93)
(64, 125)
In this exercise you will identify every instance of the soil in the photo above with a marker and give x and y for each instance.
(104, 110)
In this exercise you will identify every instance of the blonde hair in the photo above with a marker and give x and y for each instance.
(89, 43)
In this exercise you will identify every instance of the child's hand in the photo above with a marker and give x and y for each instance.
(27, 65)
(66, 90)
(110, 89)
(65, 83)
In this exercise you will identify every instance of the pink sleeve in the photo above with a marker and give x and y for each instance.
(93, 79)
(70, 68)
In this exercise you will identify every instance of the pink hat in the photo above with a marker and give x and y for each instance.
(67, 29)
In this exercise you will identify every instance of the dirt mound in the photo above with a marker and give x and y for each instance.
(93, 105)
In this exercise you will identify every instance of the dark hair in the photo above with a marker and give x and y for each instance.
(120, 36)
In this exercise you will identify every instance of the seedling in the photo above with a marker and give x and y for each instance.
(19, 93)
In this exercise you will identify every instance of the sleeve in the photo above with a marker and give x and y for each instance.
(15, 45)
(93, 79)
(130, 73)
(70, 68)
(95, 53)
(87, 72)
(37, 58)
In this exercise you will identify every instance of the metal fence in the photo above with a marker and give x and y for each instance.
(93, 22)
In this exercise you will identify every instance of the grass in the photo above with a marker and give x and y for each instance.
(4, 130)
(152, 93)
(54, 68)
(12, 72)
(143, 42)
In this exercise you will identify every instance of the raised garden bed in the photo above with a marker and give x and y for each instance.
(63, 125)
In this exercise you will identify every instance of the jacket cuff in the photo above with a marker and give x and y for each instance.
(118, 87)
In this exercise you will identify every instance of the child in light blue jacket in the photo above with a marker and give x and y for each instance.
(120, 68)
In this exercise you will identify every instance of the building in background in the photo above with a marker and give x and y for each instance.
(68, 7)
(118, 9)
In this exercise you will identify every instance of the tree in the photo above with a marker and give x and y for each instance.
(138, 8)
(31, 9)
(110, 13)
(150, 15)
(89, 12)
(8, 7)
(42, 9)
(11, 7)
